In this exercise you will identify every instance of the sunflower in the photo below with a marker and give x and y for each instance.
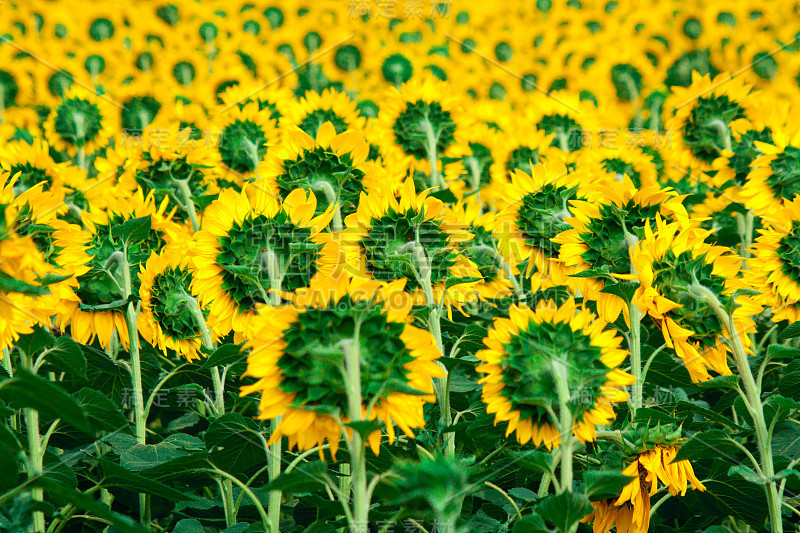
(537, 207)
(483, 249)
(775, 177)
(603, 231)
(32, 164)
(245, 136)
(774, 269)
(518, 148)
(315, 109)
(297, 356)
(529, 352)
(83, 122)
(274, 98)
(164, 321)
(24, 298)
(615, 159)
(422, 117)
(172, 165)
(231, 253)
(630, 512)
(101, 285)
(414, 237)
(334, 166)
(705, 114)
(572, 123)
(666, 262)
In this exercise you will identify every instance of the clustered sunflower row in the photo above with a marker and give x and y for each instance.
(426, 227)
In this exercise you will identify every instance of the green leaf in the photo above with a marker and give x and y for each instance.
(305, 477)
(189, 525)
(234, 443)
(393, 385)
(779, 351)
(103, 414)
(365, 427)
(684, 407)
(92, 506)
(707, 444)
(602, 484)
(623, 288)
(452, 281)
(721, 382)
(530, 524)
(28, 390)
(779, 406)
(747, 473)
(227, 354)
(132, 230)
(791, 331)
(68, 357)
(534, 460)
(9, 284)
(33, 343)
(521, 493)
(115, 475)
(564, 510)
(144, 456)
(789, 384)
(111, 306)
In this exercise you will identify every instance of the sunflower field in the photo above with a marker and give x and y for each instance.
(384, 266)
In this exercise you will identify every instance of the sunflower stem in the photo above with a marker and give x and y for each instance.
(753, 403)
(475, 180)
(441, 385)
(635, 337)
(723, 132)
(333, 199)
(561, 377)
(274, 451)
(188, 203)
(432, 140)
(357, 450)
(140, 423)
(35, 452)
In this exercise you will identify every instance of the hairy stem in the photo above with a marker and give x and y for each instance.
(358, 464)
(755, 407)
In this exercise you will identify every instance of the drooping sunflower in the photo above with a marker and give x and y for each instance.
(414, 237)
(537, 207)
(668, 262)
(242, 234)
(25, 298)
(82, 122)
(297, 356)
(243, 140)
(274, 98)
(630, 512)
(775, 177)
(572, 123)
(101, 284)
(173, 165)
(334, 166)
(315, 109)
(483, 249)
(527, 355)
(519, 147)
(421, 117)
(141, 102)
(166, 320)
(774, 269)
(32, 164)
(603, 231)
(705, 113)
